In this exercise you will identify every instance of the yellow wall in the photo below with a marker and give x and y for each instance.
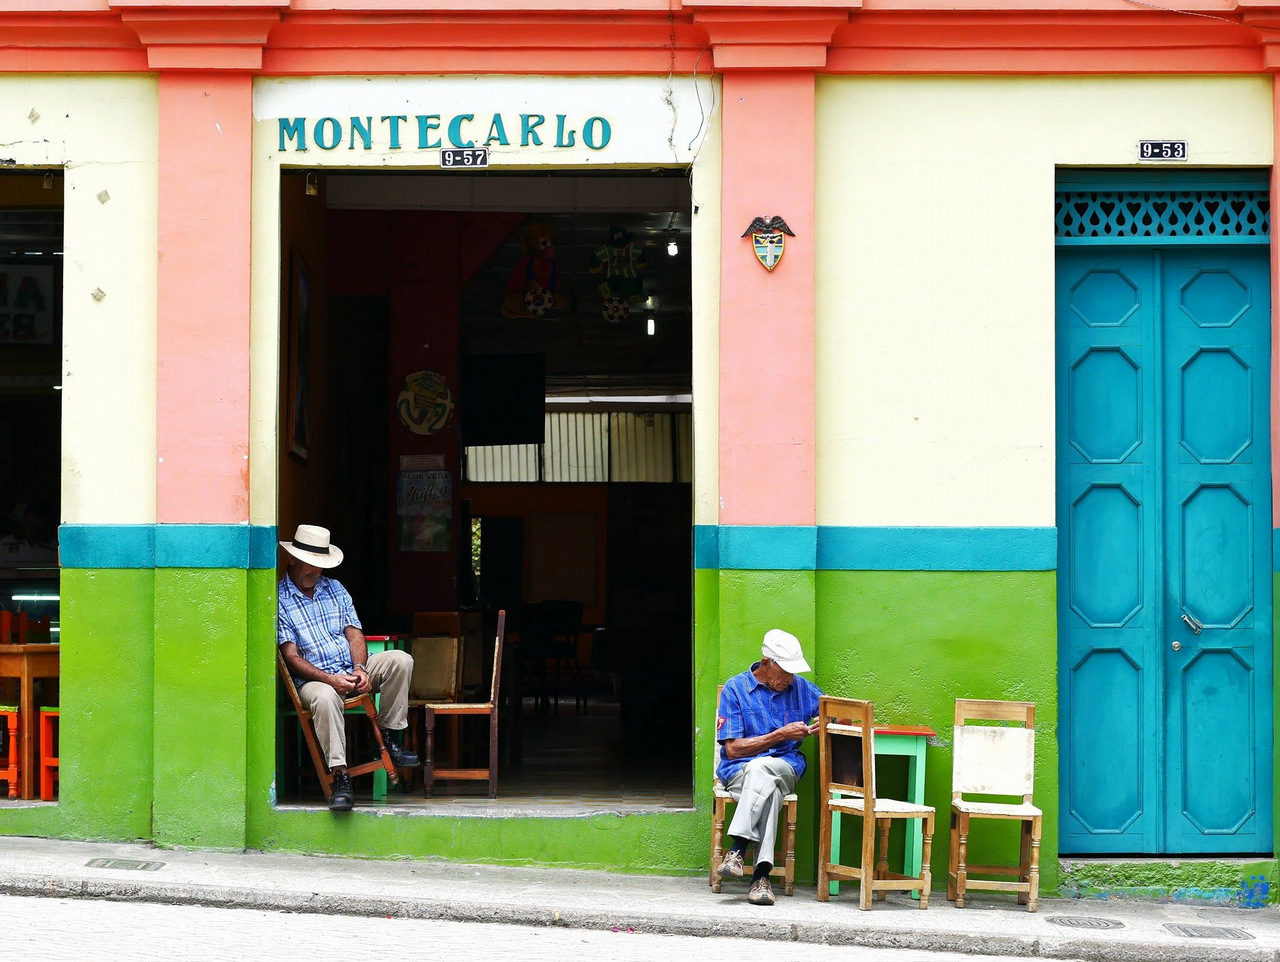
(935, 274)
(104, 131)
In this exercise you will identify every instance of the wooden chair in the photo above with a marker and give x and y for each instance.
(846, 765)
(437, 678)
(307, 724)
(11, 761)
(720, 803)
(459, 709)
(991, 760)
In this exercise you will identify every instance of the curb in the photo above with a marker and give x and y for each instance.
(651, 923)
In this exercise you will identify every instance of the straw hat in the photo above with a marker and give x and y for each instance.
(311, 544)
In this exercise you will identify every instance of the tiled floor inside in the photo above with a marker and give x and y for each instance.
(571, 764)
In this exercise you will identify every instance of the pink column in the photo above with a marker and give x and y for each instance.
(767, 402)
(202, 390)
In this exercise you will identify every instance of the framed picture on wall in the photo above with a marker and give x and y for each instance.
(28, 303)
(298, 358)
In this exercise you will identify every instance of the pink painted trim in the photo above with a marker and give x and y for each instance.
(767, 399)
(202, 390)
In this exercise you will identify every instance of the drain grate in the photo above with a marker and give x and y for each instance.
(128, 864)
(1084, 922)
(1206, 931)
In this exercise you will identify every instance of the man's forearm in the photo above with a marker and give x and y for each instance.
(736, 748)
(356, 642)
(299, 667)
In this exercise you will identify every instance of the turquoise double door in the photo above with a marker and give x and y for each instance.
(1165, 533)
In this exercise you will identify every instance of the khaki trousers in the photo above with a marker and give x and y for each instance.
(389, 671)
(759, 788)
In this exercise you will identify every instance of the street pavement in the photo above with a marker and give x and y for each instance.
(80, 930)
(340, 895)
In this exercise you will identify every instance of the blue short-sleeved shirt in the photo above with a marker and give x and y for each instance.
(748, 709)
(317, 625)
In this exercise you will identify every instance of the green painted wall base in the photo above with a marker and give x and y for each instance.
(1235, 882)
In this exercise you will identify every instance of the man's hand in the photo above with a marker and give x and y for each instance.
(796, 731)
(364, 683)
(345, 685)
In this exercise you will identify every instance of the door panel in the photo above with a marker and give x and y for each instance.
(1216, 322)
(1164, 511)
(1108, 448)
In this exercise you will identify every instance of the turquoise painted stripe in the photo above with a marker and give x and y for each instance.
(772, 547)
(937, 549)
(834, 548)
(1275, 549)
(167, 546)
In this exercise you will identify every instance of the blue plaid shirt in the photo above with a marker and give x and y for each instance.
(749, 709)
(317, 625)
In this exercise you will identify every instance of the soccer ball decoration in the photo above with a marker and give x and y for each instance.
(537, 301)
(616, 309)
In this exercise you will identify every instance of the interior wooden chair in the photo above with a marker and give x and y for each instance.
(305, 722)
(721, 801)
(460, 709)
(994, 760)
(437, 678)
(847, 784)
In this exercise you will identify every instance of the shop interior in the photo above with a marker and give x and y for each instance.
(31, 249)
(485, 393)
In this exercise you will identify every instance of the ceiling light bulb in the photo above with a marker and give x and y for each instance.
(672, 248)
(651, 327)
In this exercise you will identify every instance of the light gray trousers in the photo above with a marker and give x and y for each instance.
(389, 671)
(759, 788)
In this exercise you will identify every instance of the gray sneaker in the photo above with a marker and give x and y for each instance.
(731, 867)
(761, 892)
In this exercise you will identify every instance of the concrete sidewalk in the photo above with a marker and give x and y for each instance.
(991, 924)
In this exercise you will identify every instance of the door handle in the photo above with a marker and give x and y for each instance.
(1194, 625)
(1177, 646)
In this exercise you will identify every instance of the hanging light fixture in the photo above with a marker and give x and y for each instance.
(48, 180)
(312, 187)
(652, 327)
(672, 247)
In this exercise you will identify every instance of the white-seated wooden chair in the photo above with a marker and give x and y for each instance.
(721, 801)
(847, 773)
(994, 760)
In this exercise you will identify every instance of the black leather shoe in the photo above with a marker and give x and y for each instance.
(401, 757)
(342, 799)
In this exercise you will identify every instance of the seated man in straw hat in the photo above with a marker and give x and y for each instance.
(322, 642)
(764, 715)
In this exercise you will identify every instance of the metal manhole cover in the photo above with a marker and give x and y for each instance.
(129, 864)
(1084, 922)
(1206, 931)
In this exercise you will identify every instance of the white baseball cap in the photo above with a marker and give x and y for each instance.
(784, 649)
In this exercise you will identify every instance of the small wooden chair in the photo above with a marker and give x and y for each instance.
(50, 730)
(307, 724)
(722, 798)
(992, 760)
(11, 761)
(458, 709)
(436, 679)
(846, 765)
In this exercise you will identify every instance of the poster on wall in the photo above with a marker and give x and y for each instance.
(424, 510)
(27, 303)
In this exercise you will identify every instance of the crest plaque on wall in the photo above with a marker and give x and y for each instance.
(769, 240)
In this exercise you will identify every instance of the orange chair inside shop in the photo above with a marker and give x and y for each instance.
(10, 764)
(50, 730)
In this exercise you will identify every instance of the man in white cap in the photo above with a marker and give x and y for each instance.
(320, 637)
(764, 715)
